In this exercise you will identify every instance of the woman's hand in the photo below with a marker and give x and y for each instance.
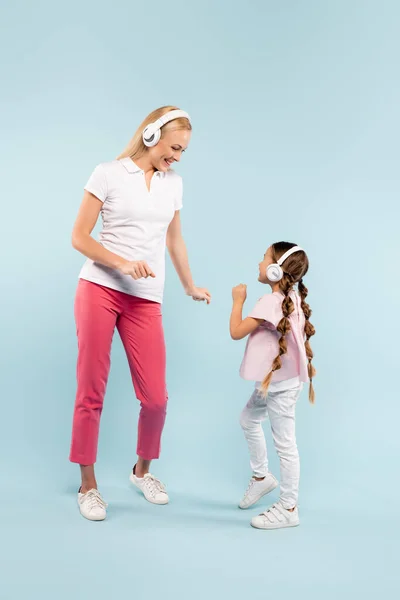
(138, 269)
(199, 294)
(239, 293)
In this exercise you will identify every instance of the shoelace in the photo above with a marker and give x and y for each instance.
(94, 500)
(153, 485)
(249, 487)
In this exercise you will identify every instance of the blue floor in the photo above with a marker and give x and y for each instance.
(199, 546)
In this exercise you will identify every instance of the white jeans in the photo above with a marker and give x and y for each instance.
(280, 408)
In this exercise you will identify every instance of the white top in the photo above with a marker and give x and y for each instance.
(281, 386)
(135, 223)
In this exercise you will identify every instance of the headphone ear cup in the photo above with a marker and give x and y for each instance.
(151, 137)
(274, 273)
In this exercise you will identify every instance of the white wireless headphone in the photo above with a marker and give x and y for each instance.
(152, 133)
(275, 271)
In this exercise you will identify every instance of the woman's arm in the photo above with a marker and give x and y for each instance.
(239, 327)
(178, 253)
(83, 242)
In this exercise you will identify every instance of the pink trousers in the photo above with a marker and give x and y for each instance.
(98, 310)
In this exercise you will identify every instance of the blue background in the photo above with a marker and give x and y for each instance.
(296, 136)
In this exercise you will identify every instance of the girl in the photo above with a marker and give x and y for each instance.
(121, 286)
(278, 357)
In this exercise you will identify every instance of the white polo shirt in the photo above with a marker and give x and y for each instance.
(135, 223)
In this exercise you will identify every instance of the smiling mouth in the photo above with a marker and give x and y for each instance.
(168, 161)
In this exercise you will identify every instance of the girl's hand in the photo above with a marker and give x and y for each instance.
(239, 293)
(199, 294)
(138, 269)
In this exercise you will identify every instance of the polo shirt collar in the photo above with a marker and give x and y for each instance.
(129, 165)
(132, 167)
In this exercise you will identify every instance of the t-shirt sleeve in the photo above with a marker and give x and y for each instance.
(269, 309)
(97, 184)
(179, 194)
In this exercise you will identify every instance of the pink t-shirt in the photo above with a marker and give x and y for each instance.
(263, 344)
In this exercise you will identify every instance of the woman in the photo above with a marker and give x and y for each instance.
(121, 285)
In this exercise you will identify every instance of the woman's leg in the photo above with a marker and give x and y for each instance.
(141, 330)
(142, 467)
(96, 310)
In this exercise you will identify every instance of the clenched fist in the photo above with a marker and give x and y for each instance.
(239, 292)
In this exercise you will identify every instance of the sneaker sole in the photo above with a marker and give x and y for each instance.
(90, 518)
(268, 491)
(133, 482)
(276, 526)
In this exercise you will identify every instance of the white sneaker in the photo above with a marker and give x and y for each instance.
(276, 517)
(92, 505)
(154, 491)
(258, 489)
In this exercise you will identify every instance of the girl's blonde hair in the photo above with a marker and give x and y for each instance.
(294, 269)
(136, 147)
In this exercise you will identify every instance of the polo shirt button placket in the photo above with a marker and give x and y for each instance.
(151, 193)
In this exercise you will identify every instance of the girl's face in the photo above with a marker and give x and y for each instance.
(169, 149)
(267, 260)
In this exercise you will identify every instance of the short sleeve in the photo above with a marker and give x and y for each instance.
(179, 194)
(97, 184)
(269, 309)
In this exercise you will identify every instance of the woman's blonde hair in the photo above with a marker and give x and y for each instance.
(136, 147)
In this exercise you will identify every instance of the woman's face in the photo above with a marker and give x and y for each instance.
(169, 149)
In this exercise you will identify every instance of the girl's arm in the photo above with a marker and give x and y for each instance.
(178, 253)
(239, 327)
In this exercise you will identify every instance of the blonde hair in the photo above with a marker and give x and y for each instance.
(136, 147)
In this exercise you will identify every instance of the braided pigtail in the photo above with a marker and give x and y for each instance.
(309, 330)
(286, 286)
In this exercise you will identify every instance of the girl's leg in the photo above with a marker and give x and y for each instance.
(262, 482)
(141, 331)
(96, 310)
(281, 411)
(253, 414)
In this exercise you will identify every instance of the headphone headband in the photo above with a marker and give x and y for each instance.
(287, 254)
(152, 133)
(171, 116)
